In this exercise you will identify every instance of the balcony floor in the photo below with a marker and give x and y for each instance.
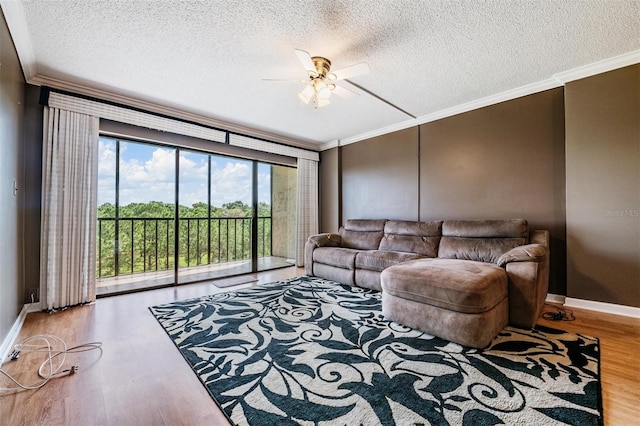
(153, 279)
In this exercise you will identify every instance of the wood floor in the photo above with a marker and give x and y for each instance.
(141, 379)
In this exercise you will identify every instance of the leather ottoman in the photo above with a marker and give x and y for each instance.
(458, 300)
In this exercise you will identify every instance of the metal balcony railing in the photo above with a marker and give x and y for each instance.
(142, 244)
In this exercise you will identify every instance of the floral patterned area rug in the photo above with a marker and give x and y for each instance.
(312, 351)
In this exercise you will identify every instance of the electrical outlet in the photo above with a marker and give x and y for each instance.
(15, 188)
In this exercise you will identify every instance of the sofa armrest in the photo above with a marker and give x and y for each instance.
(527, 269)
(528, 283)
(315, 241)
(325, 240)
(525, 253)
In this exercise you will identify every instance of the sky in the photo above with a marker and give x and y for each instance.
(147, 173)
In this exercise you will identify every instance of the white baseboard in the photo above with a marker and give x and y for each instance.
(555, 298)
(9, 340)
(609, 308)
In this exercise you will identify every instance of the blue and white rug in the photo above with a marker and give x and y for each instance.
(314, 352)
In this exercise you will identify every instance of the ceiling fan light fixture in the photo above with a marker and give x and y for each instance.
(322, 66)
(320, 102)
(307, 94)
(322, 89)
(321, 82)
(324, 93)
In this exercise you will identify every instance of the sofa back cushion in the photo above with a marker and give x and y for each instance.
(362, 234)
(481, 240)
(412, 237)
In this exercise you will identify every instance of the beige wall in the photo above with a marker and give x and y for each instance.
(284, 211)
(603, 187)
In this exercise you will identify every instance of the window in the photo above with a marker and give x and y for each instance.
(170, 215)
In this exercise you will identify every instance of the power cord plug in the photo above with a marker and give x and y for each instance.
(15, 354)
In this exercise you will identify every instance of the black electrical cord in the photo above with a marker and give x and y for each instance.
(561, 314)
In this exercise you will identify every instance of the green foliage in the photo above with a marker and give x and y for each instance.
(146, 236)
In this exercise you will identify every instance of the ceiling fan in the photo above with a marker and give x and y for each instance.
(322, 81)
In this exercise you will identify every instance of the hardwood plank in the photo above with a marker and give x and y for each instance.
(141, 378)
(619, 359)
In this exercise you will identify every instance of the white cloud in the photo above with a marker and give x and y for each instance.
(147, 173)
(106, 171)
(230, 183)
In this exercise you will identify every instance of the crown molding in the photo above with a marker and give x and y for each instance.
(557, 80)
(610, 64)
(507, 95)
(328, 145)
(14, 17)
(379, 132)
(458, 109)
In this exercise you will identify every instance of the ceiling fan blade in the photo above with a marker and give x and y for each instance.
(349, 72)
(345, 93)
(307, 94)
(306, 61)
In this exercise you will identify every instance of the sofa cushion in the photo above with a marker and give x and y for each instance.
(413, 237)
(365, 225)
(478, 249)
(507, 228)
(378, 260)
(457, 285)
(362, 234)
(481, 240)
(335, 256)
(366, 278)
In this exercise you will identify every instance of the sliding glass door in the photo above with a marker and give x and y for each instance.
(168, 216)
(136, 210)
(215, 216)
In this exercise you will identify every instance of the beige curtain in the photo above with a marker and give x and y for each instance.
(68, 226)
(307, 205)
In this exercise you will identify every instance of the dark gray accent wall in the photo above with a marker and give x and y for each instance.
(603, 187)
(502, 161)
(380, 177)
(12, 112)
(329, 190)
(32, 194)
(499, 162)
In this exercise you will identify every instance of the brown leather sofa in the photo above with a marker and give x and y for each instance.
(459, 280)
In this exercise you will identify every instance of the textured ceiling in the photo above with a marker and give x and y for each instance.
(209, 57)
